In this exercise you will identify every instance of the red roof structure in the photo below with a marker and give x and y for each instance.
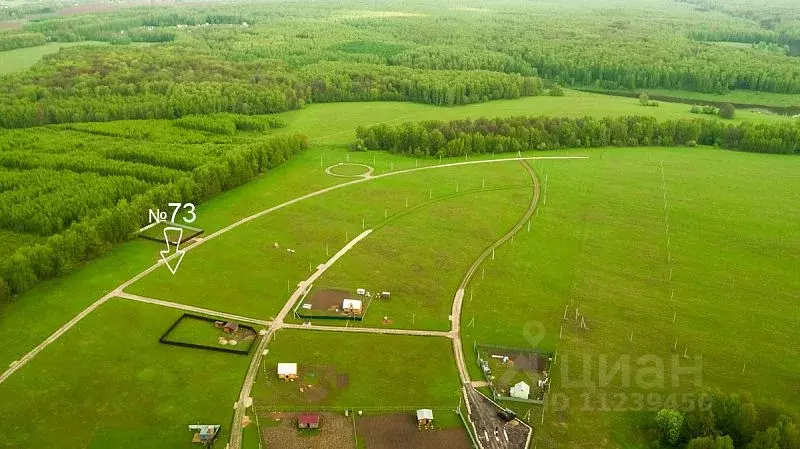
(308, 418)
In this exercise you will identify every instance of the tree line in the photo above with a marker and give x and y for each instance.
(89, 238)
(723, 421)
(22, 40)
(84, 84)
(511, 134)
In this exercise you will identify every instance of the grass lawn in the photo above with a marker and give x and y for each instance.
(600, 244)
(736, 96)
(242, 272)
(349, 170)
(109, 383)
(20, 59)
(421, 257)
(349, 370)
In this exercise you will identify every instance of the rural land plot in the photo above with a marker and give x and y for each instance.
(600, 244)
(346, 370)
(420, 258)
(243, 272)
(94, 389)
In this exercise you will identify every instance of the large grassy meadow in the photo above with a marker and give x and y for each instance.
(243, 272)
(601, 244)
(109, 383)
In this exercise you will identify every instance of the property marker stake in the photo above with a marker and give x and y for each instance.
(483, 272)
(492, 253)
(565, 311)
(674, 315)
(561, 332)
(631, 339)
(670, 274)
(327, 252)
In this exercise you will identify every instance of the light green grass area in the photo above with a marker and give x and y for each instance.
(349, 170)
(243, 272)
(736, 96)
(421, 257)
(600, 244)
(109, 383)
(22, 58)
(335, 123)
(51, 304)
(351, 370)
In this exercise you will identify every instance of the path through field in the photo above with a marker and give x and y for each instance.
(277, 323)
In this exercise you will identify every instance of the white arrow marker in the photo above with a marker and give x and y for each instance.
(165, 254)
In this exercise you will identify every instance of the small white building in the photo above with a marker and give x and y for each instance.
(424, 416)
(361, 291)
(352, 306)
(521, 390)
(287, 371)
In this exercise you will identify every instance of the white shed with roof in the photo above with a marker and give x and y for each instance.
(521, 390)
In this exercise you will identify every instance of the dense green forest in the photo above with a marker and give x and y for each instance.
(512, 134)
(84, 187)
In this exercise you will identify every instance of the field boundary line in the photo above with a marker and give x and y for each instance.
(370, 330)
(188, 308)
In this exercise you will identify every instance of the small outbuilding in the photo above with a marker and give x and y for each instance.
(287, 371)
(204, 433)
(425, 416)
(230, 327)
(521, 391)
(385, 295)
(308, 421)
(352, 306)
(361, 291)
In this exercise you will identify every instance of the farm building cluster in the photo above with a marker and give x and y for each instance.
(338, 304)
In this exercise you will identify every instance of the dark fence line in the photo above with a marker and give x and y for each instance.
(164, 337)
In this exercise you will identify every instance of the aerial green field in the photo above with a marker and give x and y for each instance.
(421, 257)
(253, 277)
(335, 123)
(653, 270)
(97, 390)
(600, 244)
(349, 371)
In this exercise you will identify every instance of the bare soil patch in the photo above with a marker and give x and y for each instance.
(280, 430)
(328, 299)
(400, 431)
(532, 362)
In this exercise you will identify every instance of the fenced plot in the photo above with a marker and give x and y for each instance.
(279, 429)
(200, 332)
(515, 374)
(155, 232)
(401, 430)
(332, 304)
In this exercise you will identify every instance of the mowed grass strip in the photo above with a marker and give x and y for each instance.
(243, 272)
(600, 244)
(351, 370)
(108, 382)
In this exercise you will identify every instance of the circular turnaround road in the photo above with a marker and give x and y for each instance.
(366, 174)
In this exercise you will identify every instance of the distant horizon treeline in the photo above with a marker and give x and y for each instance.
(511, 134)
(81, 85)
(89, 238)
